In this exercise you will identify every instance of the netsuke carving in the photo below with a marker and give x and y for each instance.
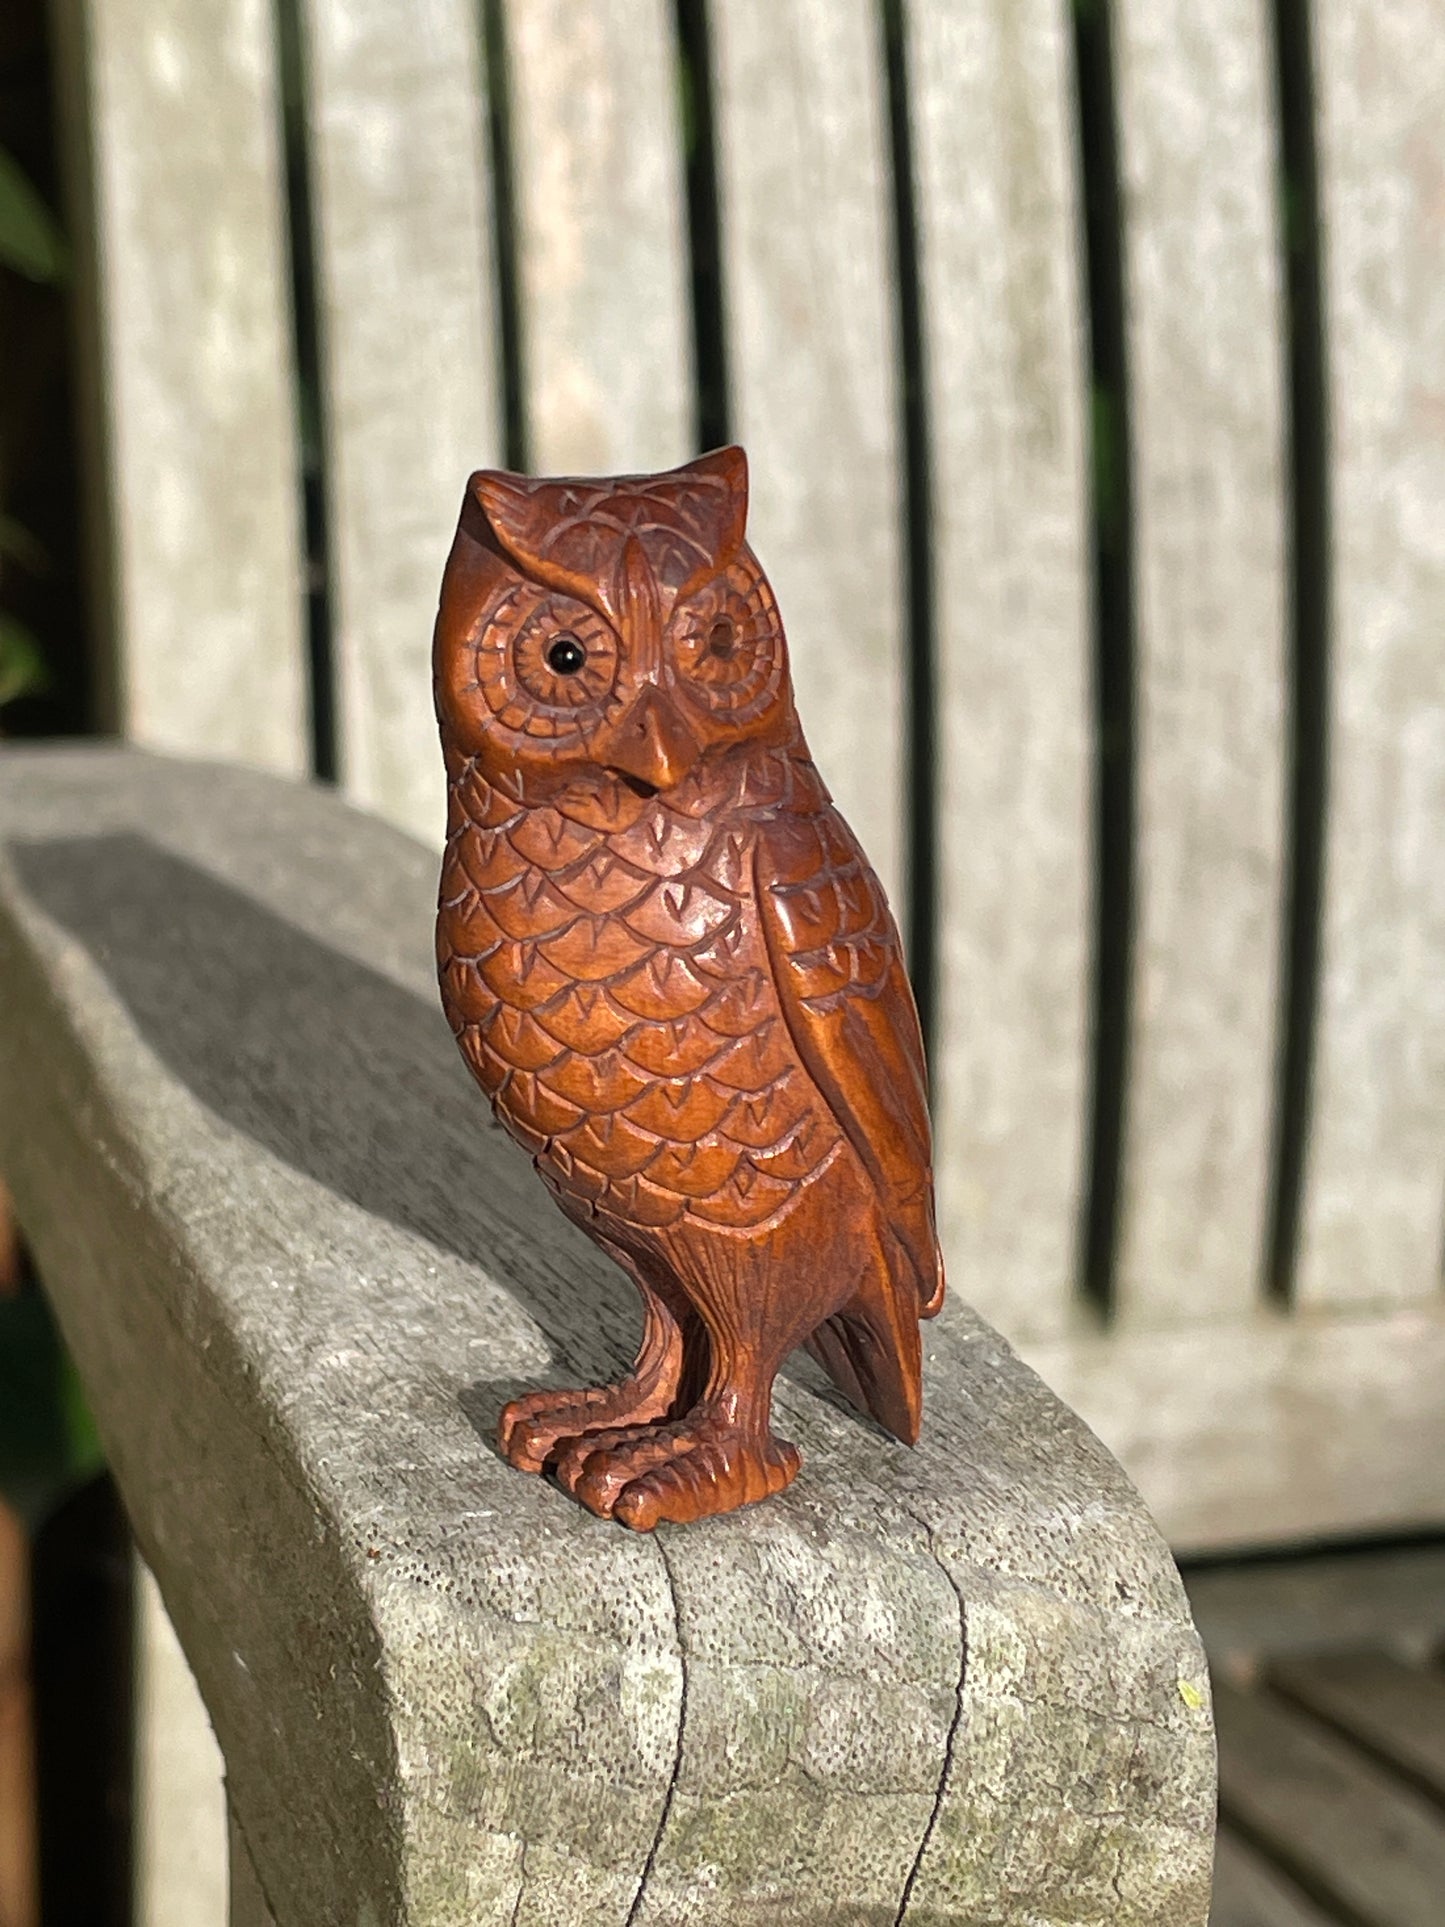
(672, 970)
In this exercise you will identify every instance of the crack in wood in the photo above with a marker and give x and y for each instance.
(634, 1912)
(946, 1771)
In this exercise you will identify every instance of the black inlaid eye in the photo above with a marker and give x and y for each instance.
(566, 655)
(722, 638)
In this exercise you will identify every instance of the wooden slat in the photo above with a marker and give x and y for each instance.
(1371, 1210)
(1205, 347)
(1297, 1606)
(1397, 1710)
(402, 212)
(808, 278)
(602, 258)
(180, 1801)
(1249, 1893)
(1365, 1839)
(193, 319)
(1269, 1429)
(994, 131)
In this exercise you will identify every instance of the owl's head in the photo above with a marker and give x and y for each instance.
(614, 635)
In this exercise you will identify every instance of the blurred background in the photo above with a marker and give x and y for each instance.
(1089, 360)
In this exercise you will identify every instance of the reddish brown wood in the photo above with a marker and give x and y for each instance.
(19, 1897)
(671, 968)
(19, 1900)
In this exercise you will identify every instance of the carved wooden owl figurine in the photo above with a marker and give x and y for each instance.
(669, 965)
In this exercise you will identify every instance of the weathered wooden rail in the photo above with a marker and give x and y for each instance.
(300, 1272)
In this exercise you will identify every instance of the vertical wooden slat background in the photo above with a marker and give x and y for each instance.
(180, 1801)
(191, 282)
(1371, 1223)
(998, 225)
(1205, 347)
(402, 212)
(602, 252)
(807, 282)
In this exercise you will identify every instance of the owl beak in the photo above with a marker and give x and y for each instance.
(652, 743)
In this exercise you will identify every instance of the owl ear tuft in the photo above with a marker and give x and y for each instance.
(720, 505)
(728, 465)
(520, 523)
(505, 501)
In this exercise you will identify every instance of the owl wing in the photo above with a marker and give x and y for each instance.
(837, 964)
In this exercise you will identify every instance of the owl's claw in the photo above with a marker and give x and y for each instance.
(531, 1427)
(596, 1467)
(641, 1476)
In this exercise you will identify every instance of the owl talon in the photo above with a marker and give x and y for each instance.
(573, 1459)
(720, 1478)
(683, 1471)
(599, 1467)
(532, 1428)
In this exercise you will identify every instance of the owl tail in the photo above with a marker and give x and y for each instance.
(872, 1350)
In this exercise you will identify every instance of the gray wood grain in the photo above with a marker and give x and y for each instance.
(1396, 1710)
(300, 1273)
(808, 277)
(1248, 1892)
(602, 252)
(1369, 1842)
(402, 212)
(194, 384)
(1371, 1219)
(1198, 151)
(993, 123)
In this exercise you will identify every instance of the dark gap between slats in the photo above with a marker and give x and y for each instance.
(82, 1666)
(1113, 624)
(1305, 1552)
(921, 732)
(310, 392)
(704, 230)
(1309, 548)
(504, 236)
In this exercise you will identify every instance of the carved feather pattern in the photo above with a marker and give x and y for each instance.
(612, 993)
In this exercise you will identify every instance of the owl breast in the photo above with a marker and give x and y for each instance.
(610, 990)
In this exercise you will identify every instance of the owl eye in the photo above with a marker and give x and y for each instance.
(566, 655)
(729, 648)
(555, 661)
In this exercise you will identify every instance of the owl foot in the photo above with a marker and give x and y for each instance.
(532, 1426)
(683, 1471)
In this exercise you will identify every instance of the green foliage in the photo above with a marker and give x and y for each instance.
(22, 668)
(31, 244)
(17, 542)
(48, 1442)
(30, 240)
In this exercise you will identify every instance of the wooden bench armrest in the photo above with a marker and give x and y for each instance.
(301, 1270)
